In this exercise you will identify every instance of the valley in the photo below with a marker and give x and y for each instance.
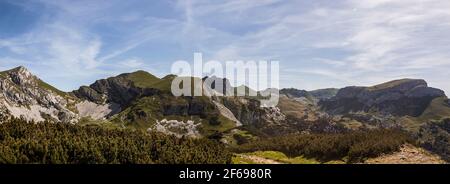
(348, 125)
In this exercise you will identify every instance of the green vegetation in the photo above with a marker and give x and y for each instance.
(294, 109)
(3, 74)
(351, 124)
(435, 136)
(87, 121)
(144, 112)
(281, 157)
(223, 125)
(241, 160)
(163, 85)
(335, 162)
(59, 143)
(436, 111)
(388, 84)
(354, 146)
(237, 136)
(143, 79)
(269, 157)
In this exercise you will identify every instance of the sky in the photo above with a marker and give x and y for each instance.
(319, 44)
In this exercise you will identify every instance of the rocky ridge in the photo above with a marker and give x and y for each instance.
(24, 95)
(400, 97)
(142, 101)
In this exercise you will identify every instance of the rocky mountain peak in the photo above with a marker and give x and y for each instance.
(398, 97)
(21, 75)
(20, 69)
(24, 95)
(402, 85)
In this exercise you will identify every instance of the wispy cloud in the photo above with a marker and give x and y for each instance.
(65, 48)
(318, 43)
(132, 63)
(360, 39)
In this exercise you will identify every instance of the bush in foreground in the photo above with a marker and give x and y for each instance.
(58, 143)
(353, 146)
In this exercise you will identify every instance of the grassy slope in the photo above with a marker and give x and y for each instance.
(164, 84)
(225, 125)
(230, 136)
(151, 106)
(281, 157)
(388, 84)
(275, 156)
(437, 110)
(145, 111)
(408, 154)
(147, 105)
(49, 87)
(293, 108)
(324, 92)
(143, 79)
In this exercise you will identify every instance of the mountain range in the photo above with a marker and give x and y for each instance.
(140, 100)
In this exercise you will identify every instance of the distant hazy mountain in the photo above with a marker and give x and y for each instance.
(319, 94)
(400, 97)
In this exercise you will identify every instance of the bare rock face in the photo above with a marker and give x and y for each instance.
(118, 90)
(89, 94)
(97, 111)
(107, 97)
(269, 121)
(400, 97)
(24, 95)
(21, 76)
(224, 111)
(177, 128)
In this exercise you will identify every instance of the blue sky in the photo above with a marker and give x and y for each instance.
(320, 43)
